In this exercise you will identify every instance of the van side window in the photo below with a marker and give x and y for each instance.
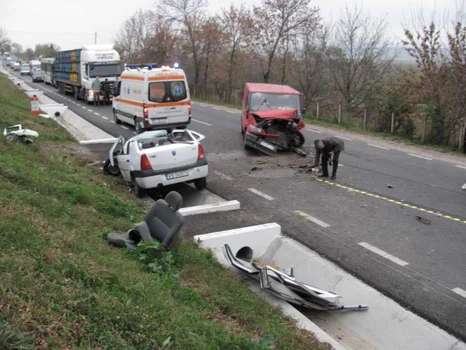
(157, 92)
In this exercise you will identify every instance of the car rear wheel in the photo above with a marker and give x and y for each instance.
(138, 190)
(115, 117)
(137, 126)
(201, 183)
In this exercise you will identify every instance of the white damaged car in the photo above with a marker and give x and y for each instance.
(158, 158)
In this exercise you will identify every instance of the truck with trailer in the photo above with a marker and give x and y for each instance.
(76, 70)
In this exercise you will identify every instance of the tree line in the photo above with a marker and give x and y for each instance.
(350, 64)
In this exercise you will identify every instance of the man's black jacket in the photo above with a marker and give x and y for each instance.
(331, 144)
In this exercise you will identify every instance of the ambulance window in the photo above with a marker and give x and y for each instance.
(157, 92)
(177, 90)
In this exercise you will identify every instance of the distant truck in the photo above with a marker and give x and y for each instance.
(35, 71)
(76, 70)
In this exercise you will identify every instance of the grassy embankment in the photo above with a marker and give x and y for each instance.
(62, 286)
(311, 120)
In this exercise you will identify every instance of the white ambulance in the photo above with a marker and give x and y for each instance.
(152, 98)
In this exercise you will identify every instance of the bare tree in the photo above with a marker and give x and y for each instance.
(275, 21)
(134, 37)
(5, 43)
(360, 57)
(210, 43)
(237, 27)
(189, 14)
(45, 50)
(309, 69)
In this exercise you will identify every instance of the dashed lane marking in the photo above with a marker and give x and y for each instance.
(223, 176)
(415, 155)
(104, 118)
(261, 194)
(112, 122)
(312, 130)
(96, 113)
(460, 166)
(372, 145)
(198, 121)
(383, 254)
(344, 138)
(124, 127)
(373, 195)
(135, 133)
(312, 219)
(460, 291)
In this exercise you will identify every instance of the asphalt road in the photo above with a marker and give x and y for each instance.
(408, 239)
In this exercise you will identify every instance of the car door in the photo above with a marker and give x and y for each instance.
(124, 161)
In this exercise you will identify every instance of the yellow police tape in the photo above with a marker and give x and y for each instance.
(393, 201)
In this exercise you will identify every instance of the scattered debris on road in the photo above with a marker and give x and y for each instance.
(162, 224)
(284, 286)
(17, 133)
(423, 220)
(389, 186)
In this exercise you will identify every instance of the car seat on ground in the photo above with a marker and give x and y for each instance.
(162, 223)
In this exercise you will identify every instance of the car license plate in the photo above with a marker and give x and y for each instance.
(158, 121)
(267, 145)
(177, 175)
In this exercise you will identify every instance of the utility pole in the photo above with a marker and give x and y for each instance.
(95, 38)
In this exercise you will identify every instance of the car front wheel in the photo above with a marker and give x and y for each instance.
(115, 117)
(201, 183)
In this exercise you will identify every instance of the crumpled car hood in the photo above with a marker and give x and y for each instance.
(276, 113)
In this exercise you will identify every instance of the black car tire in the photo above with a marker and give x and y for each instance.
(115, 117)
(201, 183)
(111, 170)
(138, 191)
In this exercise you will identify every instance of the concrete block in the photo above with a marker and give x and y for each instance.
(32, 92)
(210, 208)
(258, 238)
(54, 109)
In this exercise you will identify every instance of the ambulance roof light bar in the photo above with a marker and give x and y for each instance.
(149, 66)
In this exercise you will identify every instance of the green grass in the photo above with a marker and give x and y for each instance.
(62, 285)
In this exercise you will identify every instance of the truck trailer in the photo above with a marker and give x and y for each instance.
(76, 70)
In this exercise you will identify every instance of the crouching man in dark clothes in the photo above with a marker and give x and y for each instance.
(325, 148)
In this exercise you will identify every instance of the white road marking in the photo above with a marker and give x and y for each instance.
(135, 133)
(460, 166)
(222, 175)
(83, 107)
(372, 145)
(96, 113)
(112, 122)
(218, 109)
(415, 155)
(383, 254)
(340, 165)
(124, 127)
(233, 112)
(104, 118)
(344, 138)
(312, 219)
(198, 121)
(312, 130)
(262, 194)
(460, 292)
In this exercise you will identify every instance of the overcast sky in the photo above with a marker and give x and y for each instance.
(73, 23)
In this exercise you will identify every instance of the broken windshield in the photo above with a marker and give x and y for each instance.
(261, 101)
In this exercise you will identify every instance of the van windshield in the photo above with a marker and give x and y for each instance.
(261, 101)
(104, 70)
(167, 91)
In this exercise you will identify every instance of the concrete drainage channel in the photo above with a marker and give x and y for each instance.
(386, 325)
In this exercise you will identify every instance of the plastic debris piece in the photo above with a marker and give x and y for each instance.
(423, 220)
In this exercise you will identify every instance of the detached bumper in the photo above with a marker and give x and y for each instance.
(260, 144)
